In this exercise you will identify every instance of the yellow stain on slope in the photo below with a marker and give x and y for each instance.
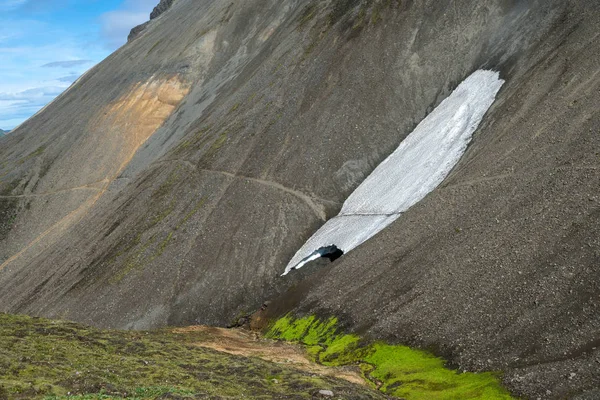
(134, 118)
(141, 112)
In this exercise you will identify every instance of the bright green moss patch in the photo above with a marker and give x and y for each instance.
(417, 374)
(397, 370)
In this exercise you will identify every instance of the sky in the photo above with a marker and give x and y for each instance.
(45, 45)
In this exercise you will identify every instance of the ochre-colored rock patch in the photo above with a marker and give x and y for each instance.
(111, 141)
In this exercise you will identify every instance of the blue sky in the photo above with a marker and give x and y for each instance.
(45, 45)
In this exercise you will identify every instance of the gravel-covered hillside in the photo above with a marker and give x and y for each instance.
(173, 182)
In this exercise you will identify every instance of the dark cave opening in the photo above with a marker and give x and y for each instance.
(331, 252)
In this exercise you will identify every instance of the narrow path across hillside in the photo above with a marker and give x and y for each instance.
(318, 209)
(492, 178)
(87, 186)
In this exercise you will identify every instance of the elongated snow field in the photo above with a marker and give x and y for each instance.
(415, 168)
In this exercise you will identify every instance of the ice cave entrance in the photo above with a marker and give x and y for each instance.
(415, 168)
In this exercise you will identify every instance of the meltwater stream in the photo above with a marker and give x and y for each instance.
(419, 165)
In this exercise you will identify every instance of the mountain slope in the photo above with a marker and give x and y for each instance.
(174, 181)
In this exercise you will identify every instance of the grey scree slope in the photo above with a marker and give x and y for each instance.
(287, 106)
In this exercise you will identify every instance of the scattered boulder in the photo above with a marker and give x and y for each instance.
(326, 393)
(259, 319)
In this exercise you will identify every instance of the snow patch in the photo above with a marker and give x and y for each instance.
(419, 165)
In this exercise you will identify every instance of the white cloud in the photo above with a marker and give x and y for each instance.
(117, 24)
(65, 64)
(26, 86)
(16, 107)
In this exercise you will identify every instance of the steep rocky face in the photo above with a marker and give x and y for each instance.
(161, 8)
(173, 182)
(137, 31)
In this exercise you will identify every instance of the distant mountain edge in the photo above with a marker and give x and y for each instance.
(163, 6)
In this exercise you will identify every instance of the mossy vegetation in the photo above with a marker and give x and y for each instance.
(34, 154)
(352, 15)
(234, 107)
(8, 216)
(357, 14)
(195, 139)
(340, 8)
(142, 247)
(7, 189)
(135, 260)
(217, 144)
(43, 359)
(154, 46)
(396, 370)
(191, 213)
(308, 13)
(167, 186)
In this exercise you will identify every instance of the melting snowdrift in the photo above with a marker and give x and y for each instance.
(418, 166)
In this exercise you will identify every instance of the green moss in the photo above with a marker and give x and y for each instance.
(166, 187)
(359, 21)
(220, 141)
(8, 188)
(379, 8)
(309, 330)
(190, 214)
(183, 145)
(163, 245)
(135, 261)
(340, 8)
(8, 216)
(38, 152)
(217, 144)
(138, 393)
(142, 247)
(251, 97)
(399, 370)
(375, 16)
(154, 46)
(163, 214)
(308, 14)
(43, 359)
(198, 137)
(126, 247)
(234, 107)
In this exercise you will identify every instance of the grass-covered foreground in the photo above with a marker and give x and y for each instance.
(43, 359)
(396, 370)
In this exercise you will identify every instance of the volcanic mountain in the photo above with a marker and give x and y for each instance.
(173, 182)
